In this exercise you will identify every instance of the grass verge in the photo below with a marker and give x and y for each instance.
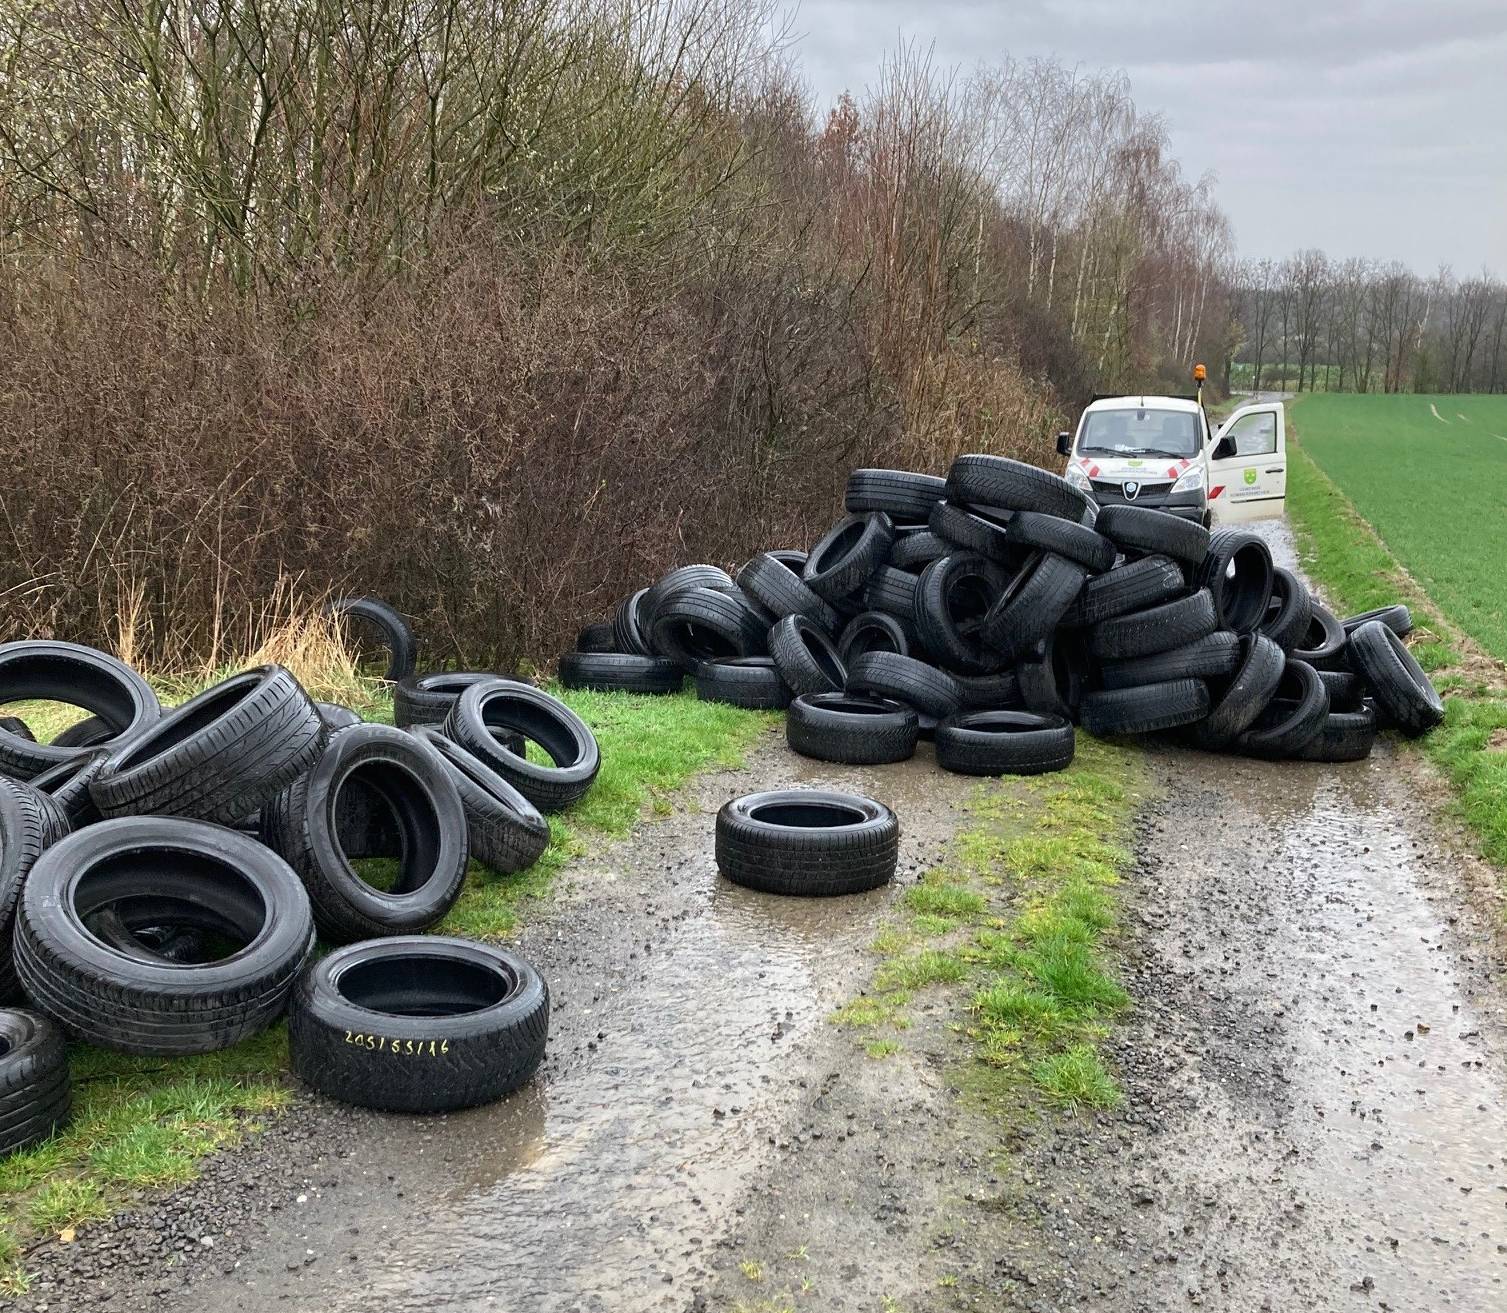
(1017, 924)
(144, 1123)
(1343, 553)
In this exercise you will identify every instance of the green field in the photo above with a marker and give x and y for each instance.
(1430, 476)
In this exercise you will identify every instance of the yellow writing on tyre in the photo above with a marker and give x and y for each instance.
(399, 1048)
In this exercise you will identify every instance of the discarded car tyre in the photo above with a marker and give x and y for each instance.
(15, 725)
(1145, 633)
(1004, 743)
(953, 597)
(336, 716)
(805, 656)
(1238, 573)
(779, 590)
(67, 784)
(595, 637)
(67, 672)
(999, 692)
(1146, 708)
(874, 631)
(915, 551)
(707, 624)
(619, 672)
(970, 531)
(1401, 690)
(678, 580)
(1137, 586)
(427, 699)
(1246, 695)
(627, 634)
(1051, 533)
(1296, 713)
(1032, 604)
(418, 1024)
(1397, 618)
(905, 497)
(1214, 656)
(36, 1092)
(373, 612)
(1141, 531)
(891, 591)
(841, 563)
(852, 730)
(30, 822)
(504, 830)
(998, 481)
(1290, 611)
(1323, 646)
(907, 680)
(220, 755)
(514, 708)
(82, 961)
(750, 682)
(1052, 680)
(1345, 735)
(415, 787)
(807, 842)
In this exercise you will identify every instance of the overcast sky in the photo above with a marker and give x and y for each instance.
(1375, 129)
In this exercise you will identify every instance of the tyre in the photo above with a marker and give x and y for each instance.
(91, 732)
(970, 531)
(793, 561)
(677, 581)
(30, 823)
(1347, 691)
(373, 613)
(36, 1093)
(1033, 602)
(1140, 531)
(806, 658)
(1323, 646)
(219, 756)
(418, 1024)
(874, 631)
(1145, 633)
(953, 596)
(1004, 743)
(1245, 696)
(779, 590)
(915, 551)
(1214, 656)
(1401, 690)
(1238, 573)
(618, 672)
(999, 692)
(67, 784)
(149, 873)
(1290, 611)
(997, 481)
(1135, 586)
(1344, 736)
(415, 788)
(750, 682)
(15, 725)
(1146, 708)
(336, 716)
(891, 591)
(79, 676)
(515, 709)
(853, 730)
(1396, 618)
(807, 842)
(596, 637)
(706, 624)
(1295, 714)
(904, 679)
(841, 563)
(504, 830)
(905, 497)
(427, 699)
(1052, 679)
(627, 635)
(1050, 533)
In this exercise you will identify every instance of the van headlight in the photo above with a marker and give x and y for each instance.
(1191, 479)
(1078, 478)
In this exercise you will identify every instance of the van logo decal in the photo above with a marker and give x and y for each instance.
(1250, 478)
(1132, 489)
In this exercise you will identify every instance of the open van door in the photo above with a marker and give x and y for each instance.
(1248, 465)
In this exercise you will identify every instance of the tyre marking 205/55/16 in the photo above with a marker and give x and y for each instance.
(407, 1048)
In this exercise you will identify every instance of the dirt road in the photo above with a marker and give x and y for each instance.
(1315, 1113)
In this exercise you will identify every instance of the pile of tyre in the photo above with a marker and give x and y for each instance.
(164, 874)
(996, 608)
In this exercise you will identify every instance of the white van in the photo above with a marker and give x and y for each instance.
(1160, 452)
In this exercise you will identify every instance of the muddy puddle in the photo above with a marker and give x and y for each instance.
(679, 1002)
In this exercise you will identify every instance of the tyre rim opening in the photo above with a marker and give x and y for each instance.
(509, 716)
(174, 729)
(850, 706)
(821, 652)
(420, 984)
(406, 848)
(796, 815)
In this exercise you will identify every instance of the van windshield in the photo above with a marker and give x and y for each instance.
(1139, 433)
